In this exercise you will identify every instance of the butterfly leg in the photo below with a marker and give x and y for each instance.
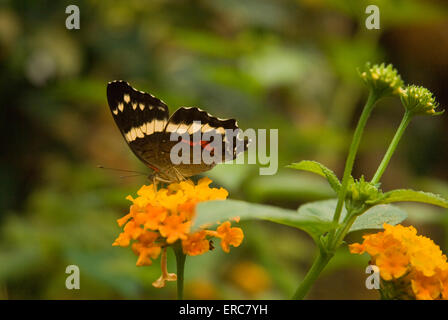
(154, 183)
(162, 180)
(179, 175)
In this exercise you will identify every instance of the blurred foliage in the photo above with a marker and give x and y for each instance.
(288, 64)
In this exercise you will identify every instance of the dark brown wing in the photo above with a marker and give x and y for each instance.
(198, 129)
(141, 119)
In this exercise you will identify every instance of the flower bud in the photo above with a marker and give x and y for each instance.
(419, 100)
(382, 80)
(360, 192)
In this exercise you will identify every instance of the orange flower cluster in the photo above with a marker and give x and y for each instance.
(159, 218)
(406, 260)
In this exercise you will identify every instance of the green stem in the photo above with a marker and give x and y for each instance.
(352, 153)
(393, 145)
(319, 264)
(180, 263)
(343, 231)
(336, 239)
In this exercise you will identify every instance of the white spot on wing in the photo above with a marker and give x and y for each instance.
(115, 111)
(133, 134)
(182, 128)
(150, 127)
(206, 128)
(139, 133)
(121, 106)
(143, 128)
(126, 98)
(134, 105)
(142, 106)
(195, 126)
(159, 125)
(221, 130)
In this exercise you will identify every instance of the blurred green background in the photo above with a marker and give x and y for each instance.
(286, 64)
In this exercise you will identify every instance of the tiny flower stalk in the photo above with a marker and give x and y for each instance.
(393, 145)
(166, 276)
(416, 101)
(163, 218)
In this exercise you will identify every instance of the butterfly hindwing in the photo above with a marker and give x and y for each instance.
(189, 122)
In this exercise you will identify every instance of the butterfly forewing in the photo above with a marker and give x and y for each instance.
(139, 116)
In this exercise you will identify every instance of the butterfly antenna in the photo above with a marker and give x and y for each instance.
(130, 176)
(122, 170)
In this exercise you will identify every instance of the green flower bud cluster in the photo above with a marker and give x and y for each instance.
(419, 100)
(360, 192)
(382, 80)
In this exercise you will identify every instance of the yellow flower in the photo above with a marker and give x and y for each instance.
(160, 218)
(410, 262)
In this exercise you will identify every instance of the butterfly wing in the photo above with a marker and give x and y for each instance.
(141, 119)
(144, 122)
(187, 122)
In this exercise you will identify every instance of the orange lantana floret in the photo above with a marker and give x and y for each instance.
(146, 248)
(196, 244)
(154, 217)
(229, 236)
(174, 227)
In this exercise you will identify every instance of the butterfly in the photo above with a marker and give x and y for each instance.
(147, 127)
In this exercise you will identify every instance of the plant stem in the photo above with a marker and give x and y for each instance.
(180, 263)
(319, 264)
(336, 239)
(352, 153)
(393, 145)
(342, 232)
(370, 103)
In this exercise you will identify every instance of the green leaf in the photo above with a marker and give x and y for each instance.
(374, 218)
(210, 212)
(285, 188)
(320, 169)
(401, 195)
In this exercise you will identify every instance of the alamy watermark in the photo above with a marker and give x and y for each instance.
(219, 145)
(373, 280)
(72, 21)
(72, 281)
(373, 20)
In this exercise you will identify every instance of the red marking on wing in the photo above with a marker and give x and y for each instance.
(204, 144)
(153, 168)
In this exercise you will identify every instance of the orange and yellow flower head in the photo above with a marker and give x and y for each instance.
(411, 266)
(160, 218)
